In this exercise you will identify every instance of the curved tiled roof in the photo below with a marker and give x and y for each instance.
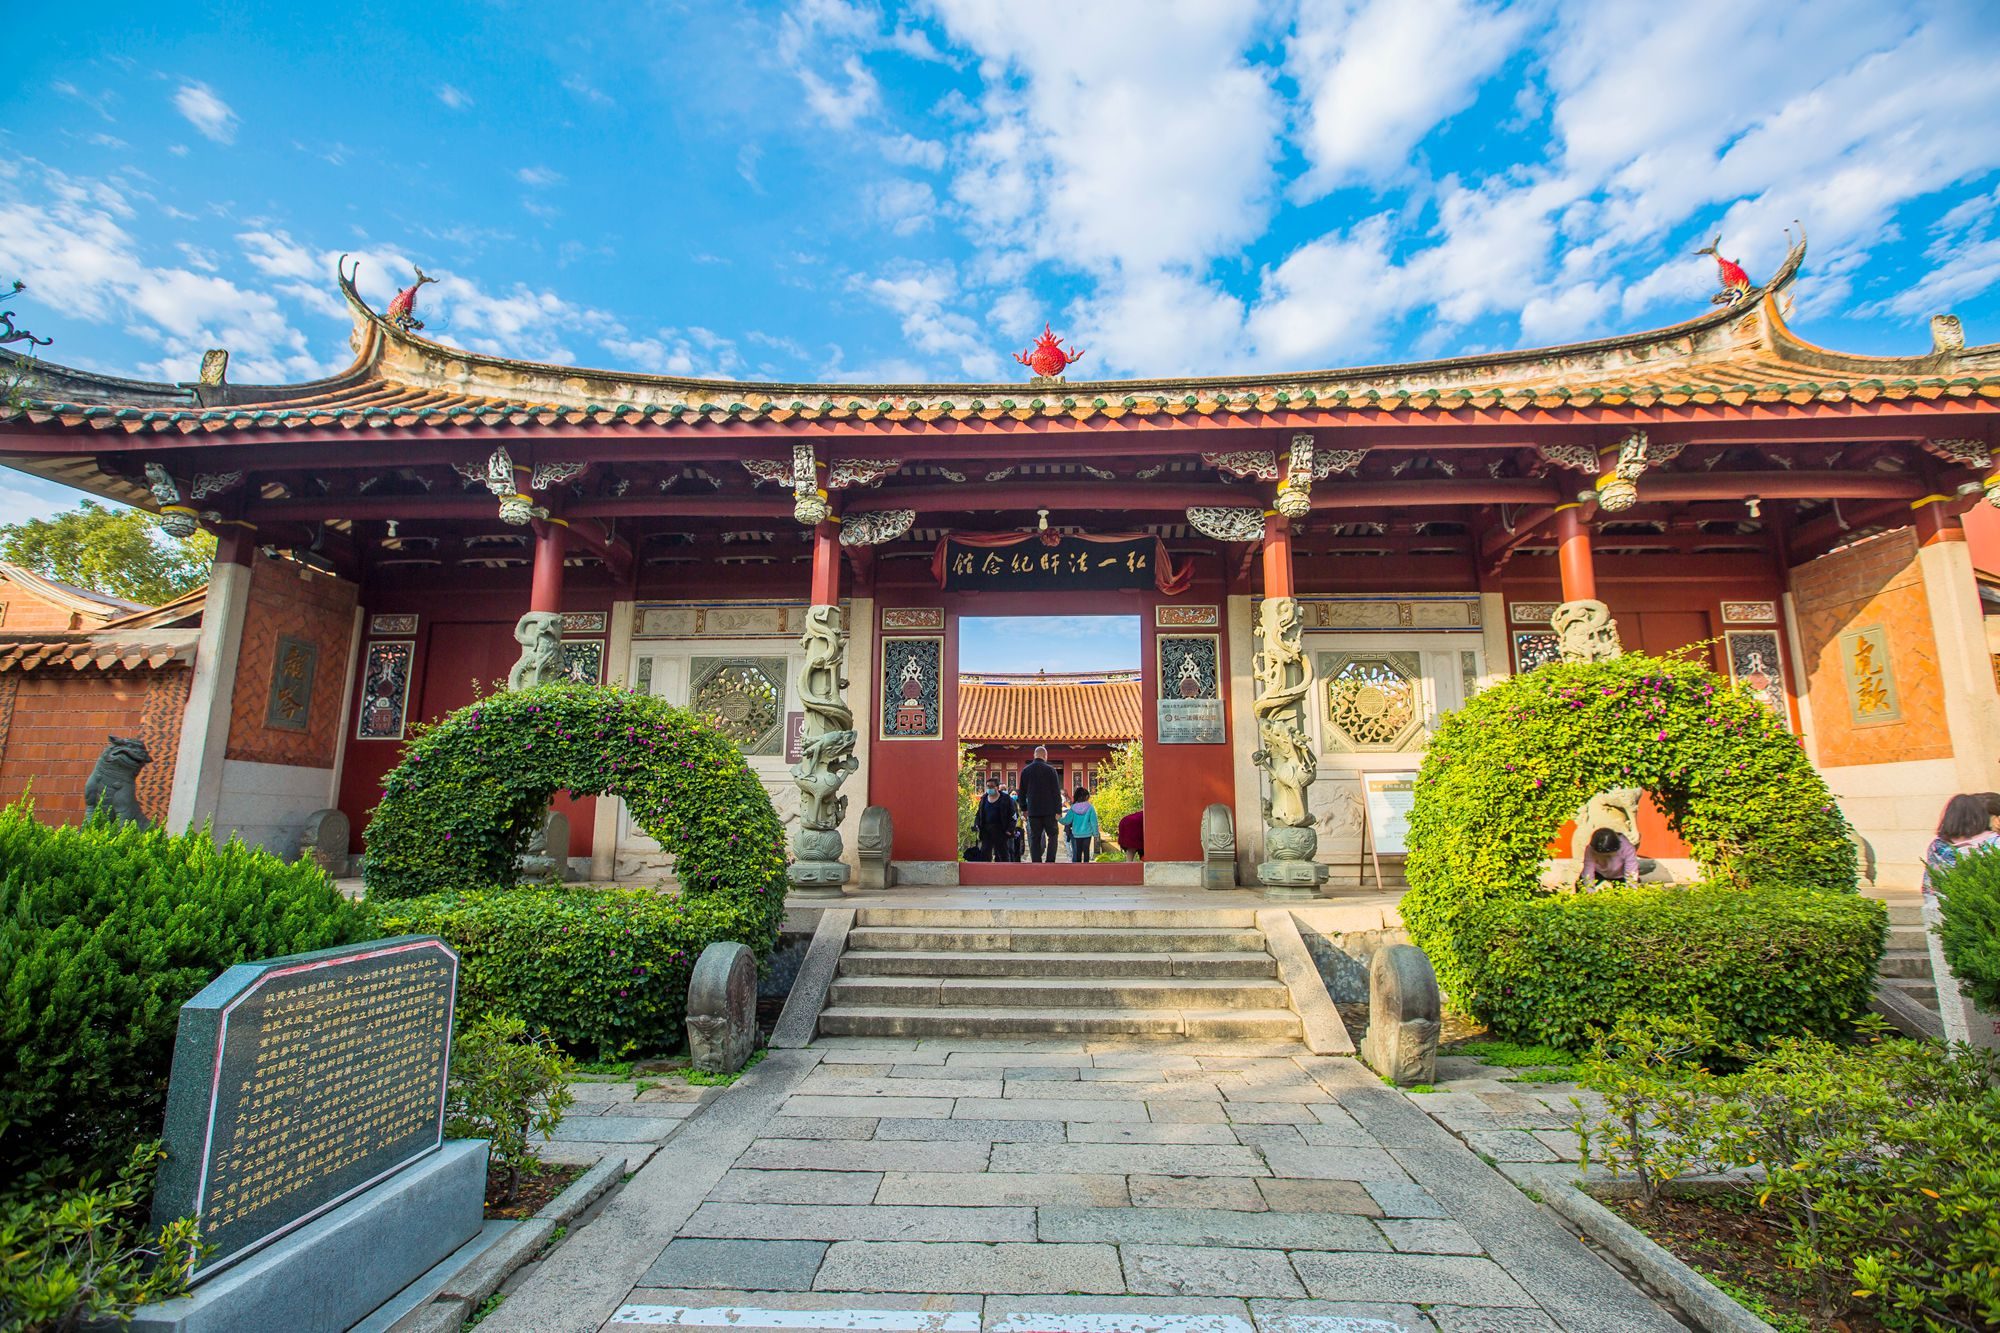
(1055, 709)
(1742, 353)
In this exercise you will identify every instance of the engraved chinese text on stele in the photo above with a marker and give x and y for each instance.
(298, 1082)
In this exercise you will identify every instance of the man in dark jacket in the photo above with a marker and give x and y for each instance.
(993, 820)
(1042, 799)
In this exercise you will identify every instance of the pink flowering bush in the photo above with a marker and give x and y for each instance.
(1503, 774)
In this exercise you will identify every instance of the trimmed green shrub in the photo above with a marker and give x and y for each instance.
(105, 931)
(603, 971)
(506, 1085)
(1504, 773)
(1763, 964)
(471, 789)
(1969, 901)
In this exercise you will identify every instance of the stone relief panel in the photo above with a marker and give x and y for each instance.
(1391, 613)
(385, 690)
(1335, 802)
(1749, 613)
(1168, 616)
(1533, 648)
(912, 617)
(393, 623)
(293, 665)
(719, 620)
(583, 660)
(1754, 662)
(743, 697)
(912, 688)
(1531, 613)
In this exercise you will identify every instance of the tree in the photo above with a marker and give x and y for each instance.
(1121, 787)
(112, 550)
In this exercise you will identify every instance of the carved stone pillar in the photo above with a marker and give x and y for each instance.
(826, 756)
(1284, 683)
(540, 635)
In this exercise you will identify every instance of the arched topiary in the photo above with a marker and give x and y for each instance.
(1504, 773)
(471, 789)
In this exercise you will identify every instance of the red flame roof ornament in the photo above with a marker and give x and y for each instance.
(1047, 358)
(1735, 282)
(403, 310)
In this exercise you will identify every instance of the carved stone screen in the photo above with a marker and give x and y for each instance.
(298, 1082)
(744, 697)
(1374, 701)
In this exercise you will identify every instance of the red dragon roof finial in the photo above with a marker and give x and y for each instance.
(403, 310)
(1047, 358)
(1735, 282)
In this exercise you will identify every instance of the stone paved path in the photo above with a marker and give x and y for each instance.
(1034, 1186)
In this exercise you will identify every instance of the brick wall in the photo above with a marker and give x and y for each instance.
(1873, 582)
(318, 609)
(54, 723)
(24, 611)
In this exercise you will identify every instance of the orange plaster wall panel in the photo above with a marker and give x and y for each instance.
(1872, 585)
(317, 610)
(54, 724)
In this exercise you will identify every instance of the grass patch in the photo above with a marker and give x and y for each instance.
(1505, 1054)
(701, 1078)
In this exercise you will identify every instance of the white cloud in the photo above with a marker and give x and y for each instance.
(454, 97)
(206, 112)
(905, 207)
(690, 353)
(817, 35)
(538, 177)
(586, 91)
(907, 150)
(1377, 75)
(920, 295)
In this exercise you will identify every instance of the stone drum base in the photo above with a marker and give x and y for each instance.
(334, 1271)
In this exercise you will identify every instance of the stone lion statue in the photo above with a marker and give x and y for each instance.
(113, 784)
(1586, 632)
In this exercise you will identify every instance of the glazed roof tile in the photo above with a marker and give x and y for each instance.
(1735, 355)
(1034, 712)
(84, 652)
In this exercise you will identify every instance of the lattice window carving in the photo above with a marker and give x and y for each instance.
(1374, 701)
(743, 698)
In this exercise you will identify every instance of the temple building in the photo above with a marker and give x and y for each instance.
(1079, 715)
(1323, 563)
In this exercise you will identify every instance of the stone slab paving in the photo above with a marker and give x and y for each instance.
(1081, 1186)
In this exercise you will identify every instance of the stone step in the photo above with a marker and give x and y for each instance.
(1924, 992)
(954, 963)
(1911, 963)
(1058, 992)
(1909, 937)
(1057, 939)
(1050, 918)
(1906, 913)
(966, 1021)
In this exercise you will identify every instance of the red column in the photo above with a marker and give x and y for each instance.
(235, 543)
(545, 594)
(1579, 579)
(826, 564)
(1277, 555)
(1938, 520)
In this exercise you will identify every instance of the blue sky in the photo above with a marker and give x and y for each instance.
(840, 190)
(1048, 643)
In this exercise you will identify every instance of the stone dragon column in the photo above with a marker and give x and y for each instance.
(1284, 680)
(828, 737)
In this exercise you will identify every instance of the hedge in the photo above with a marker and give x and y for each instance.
(1503, 774)
(105, 931)
(471, 789)
(1762, 964)
(603, 971)
(1969, 901)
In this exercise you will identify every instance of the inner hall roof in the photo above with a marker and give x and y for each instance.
(1053, 710)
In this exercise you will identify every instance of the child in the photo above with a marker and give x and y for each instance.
(1610, 856)
(1081, 821)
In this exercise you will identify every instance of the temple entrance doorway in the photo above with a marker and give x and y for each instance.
(1078, 687)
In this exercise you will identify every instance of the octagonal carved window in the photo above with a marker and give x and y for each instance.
(743, 698)
(1374, 701)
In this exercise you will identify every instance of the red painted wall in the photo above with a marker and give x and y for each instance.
(917, 781)
(462, 636)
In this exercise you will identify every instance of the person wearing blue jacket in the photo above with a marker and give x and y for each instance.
(1081, 822)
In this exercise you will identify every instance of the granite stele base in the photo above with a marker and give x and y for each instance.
(334, 1271)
